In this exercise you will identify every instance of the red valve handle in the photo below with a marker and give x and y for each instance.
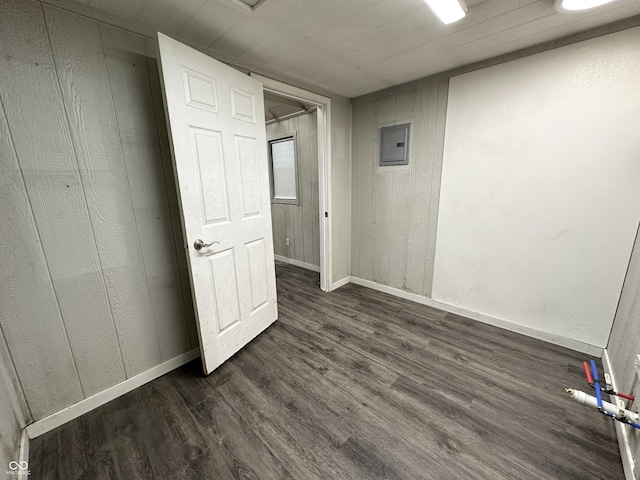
(587, 372)
(628, 397)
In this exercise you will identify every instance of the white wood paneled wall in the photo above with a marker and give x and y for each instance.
(299, 223)
(13, 407)
(93, 272)
(624, 342)
(340, 190)
(395, 209)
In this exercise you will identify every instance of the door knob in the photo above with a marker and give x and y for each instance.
(199, 244)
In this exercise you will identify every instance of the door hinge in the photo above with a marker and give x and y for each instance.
(326, 214)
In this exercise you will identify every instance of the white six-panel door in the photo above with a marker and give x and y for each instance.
(216, 123)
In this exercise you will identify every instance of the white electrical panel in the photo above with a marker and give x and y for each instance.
(394, 145)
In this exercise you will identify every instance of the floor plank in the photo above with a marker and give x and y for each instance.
(353, 384)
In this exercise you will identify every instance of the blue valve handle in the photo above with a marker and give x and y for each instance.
(596, 384)
(594, 370)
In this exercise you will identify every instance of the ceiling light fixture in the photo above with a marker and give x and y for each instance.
(448, 11)
(570, 6)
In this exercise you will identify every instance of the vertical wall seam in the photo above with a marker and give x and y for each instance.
(44, 256)
(298, 213)
(360, 192)
(426, 289)
(310, 208)
(166, 189)
(75, 362)
(443, 90)
(84, 195)
(412, 170)
(299, 216)
(350, 213)
(299, 173)
(624, 282)
(393, 175)
(356, 162)
(104, 57)
(375, 141)
(13, 363)
(124, 164)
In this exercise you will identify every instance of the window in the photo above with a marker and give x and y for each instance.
(284, 170)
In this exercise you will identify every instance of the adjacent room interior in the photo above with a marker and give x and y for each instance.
(292, 136)
(341, 239)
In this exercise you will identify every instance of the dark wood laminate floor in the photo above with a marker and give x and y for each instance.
(354, 384)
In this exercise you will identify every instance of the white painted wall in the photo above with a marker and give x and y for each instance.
(540, 196)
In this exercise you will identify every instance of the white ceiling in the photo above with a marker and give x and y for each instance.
(354, 47)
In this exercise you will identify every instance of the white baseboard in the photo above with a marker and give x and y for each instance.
(298, 263)
(484, 318)
(74, 411)
(622, 431)
(23, 455)
(340, 283)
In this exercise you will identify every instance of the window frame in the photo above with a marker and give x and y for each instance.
(296, 163)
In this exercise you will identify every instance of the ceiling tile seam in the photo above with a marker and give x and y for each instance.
(458, 30)
(472, 26)
(324, 49)
(188, 21)
(386, 80)
(225, 34)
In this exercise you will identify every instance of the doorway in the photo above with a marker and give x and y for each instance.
(322, 113)
(292, 148)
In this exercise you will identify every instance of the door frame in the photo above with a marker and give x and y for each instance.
(323, 105)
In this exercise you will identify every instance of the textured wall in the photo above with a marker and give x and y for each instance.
(91, 243)
(300, 223)
(539, 201)
(395, 209)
